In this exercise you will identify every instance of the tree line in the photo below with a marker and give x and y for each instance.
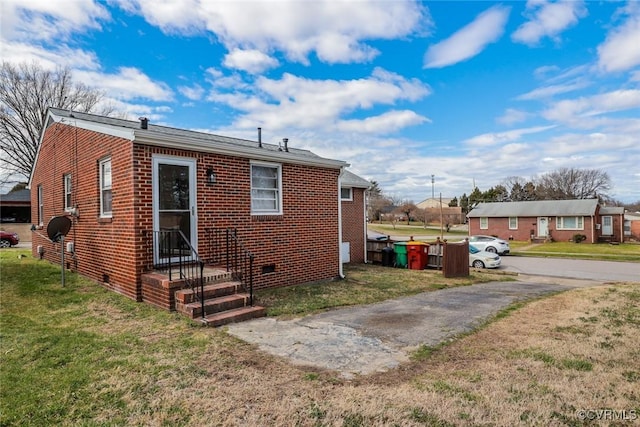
(560, 184)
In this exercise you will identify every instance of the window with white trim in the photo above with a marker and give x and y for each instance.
(106, 197)
(570, 223)
(266, 189)
(484, 223)
(40, 206)
(513, 223)
(67, 192)
(346, 193)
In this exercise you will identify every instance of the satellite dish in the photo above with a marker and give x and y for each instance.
(58, 227)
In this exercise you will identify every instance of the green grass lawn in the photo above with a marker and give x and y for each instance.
(600, 251)
(404, 230)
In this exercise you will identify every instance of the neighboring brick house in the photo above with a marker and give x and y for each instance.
(354, 225)
(558, 220)
(121, 180)
(632, 226)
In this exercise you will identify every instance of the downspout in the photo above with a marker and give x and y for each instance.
(340, 269)
(364, 220)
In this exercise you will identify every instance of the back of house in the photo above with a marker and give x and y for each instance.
(122, 181)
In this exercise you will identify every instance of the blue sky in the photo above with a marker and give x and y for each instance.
(470, 92)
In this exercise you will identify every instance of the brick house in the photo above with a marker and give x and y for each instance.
(558, 220)
(122, 181)
(354, 224)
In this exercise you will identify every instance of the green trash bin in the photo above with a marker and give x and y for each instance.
(400, 248)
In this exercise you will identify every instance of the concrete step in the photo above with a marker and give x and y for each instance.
(214, 305)
(234, 316)
(213, 290)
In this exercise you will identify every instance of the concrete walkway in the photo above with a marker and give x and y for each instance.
(378, 337)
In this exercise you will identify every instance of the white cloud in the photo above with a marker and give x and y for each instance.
(335, 31)
(300, 103)
(171, 16)
(46, 20)
(551, 90)
(620, 51)
(252, 61)
(469, 41)
(49, 59)
(388, 122)
(512, 116)
(548, 19)
(494, 138)
(576, 109)
(581, 143)
(194, 93)
(129, 83)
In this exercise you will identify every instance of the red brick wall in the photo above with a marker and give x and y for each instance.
(103, 247)
(302, 243)
(635, 229)
(353, 227)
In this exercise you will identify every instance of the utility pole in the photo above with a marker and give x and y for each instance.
(433, 194)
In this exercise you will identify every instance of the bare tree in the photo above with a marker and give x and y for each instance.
(407, 208)
(26, 91)
(571, 183)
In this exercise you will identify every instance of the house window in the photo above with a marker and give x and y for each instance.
(266, 189)
(569, 223)
(513, 223)
(40, 206)
(484, 223)
(67, 192)
(346, 193)
(106, 198)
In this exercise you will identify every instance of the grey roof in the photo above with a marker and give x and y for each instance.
(611, 210)
(16, 196)
(582, 207)
(202, 138)
(350, 179)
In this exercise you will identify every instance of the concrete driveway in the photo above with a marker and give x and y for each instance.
(365, 339)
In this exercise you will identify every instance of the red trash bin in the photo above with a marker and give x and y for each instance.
(418, 255)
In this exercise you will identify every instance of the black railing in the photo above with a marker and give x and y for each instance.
(227, 250)
(178, 258)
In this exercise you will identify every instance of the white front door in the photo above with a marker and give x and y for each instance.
(543, 226)
(174, 199)
(607, 226)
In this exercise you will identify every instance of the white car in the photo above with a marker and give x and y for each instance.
(483, 259)
(490, 244)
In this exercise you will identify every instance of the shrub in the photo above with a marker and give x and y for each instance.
(577, 238)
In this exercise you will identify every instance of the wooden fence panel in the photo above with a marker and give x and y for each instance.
(455, 260)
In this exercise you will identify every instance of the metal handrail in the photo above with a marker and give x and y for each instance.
(177, 255)
(236, 258)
